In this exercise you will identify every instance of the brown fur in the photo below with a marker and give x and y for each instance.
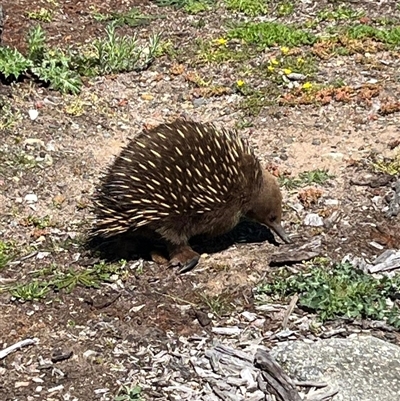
(183, 179)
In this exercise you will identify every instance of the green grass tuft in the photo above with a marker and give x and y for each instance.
(6, 253)
(52, 278)
(132, 18)
(389, 36)
(268, 34)
(251, 8)
(129, 393)
(318, 177)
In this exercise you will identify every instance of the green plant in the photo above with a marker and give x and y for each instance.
(9, 117)
(222, 51)
(39, 222)
(387, 166)
(339, 291)
(89, 278)
(267, 34)
(196, 6)
(340, 13)
(217, 304)
(285, 64)
(318, 176)
(285, 8)
(121, 53)
(36, 44)
(132, 18)
(389, 36)
(52, 66)
(32, 291)
(190, 6)
(16, 161)
(252, 105)
(12, 63)
(61, 69)
(51, 278)
(127, 393)
(55, 70)
(247, 7)
(6, 252)
(43, 15)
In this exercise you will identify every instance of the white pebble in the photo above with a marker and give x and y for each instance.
(331, 202)
(42, 255)
(33, 114)
(314, 220)
(227, 331)
(334, 155)
(89, 354)
(249, 316)
(31, 198)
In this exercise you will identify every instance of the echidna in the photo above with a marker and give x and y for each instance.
(182, 179)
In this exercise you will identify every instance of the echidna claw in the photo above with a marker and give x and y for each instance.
(188, 266)
(184, 258)
(183, 267)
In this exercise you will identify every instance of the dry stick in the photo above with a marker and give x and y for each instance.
(23, 258)
(175, 298)
(16, 346)
(310, 384)
(279, 383)
(289, 310)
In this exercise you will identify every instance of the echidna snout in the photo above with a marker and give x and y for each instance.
(266, 208)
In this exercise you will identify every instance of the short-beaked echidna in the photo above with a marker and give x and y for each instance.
(182, 179)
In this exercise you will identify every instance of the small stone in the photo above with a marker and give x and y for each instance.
(57, 388)
(21, 384)
(331, 202)
(42, 255)
(31, 198)
(334, 155)
(33, 114)
(202, 318)
(316, 142)
(89, 354)
(313, 220)
(147, 96)
(50, 147)
(249, 316)
(198, 102)
(294, 76)
(298, 207)
(376, 245)
(35, 142)
(60, 355)
(227, 331)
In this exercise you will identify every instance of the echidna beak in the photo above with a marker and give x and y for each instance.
(281, 232)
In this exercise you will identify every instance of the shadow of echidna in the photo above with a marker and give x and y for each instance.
(131, 247)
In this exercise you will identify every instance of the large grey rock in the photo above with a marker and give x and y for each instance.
(363, 368)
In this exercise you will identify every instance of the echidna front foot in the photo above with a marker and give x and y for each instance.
(184, 258)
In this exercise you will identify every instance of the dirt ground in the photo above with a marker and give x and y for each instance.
(59, 158)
